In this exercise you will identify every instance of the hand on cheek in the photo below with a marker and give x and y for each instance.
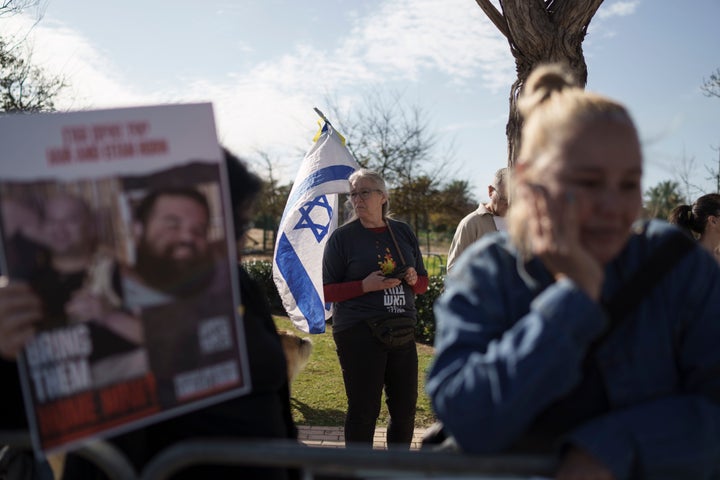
(554, 233)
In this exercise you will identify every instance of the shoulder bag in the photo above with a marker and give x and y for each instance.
(396, 331)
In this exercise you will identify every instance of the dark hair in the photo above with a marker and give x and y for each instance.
(142, 211)
(244, 189)
(694, 217)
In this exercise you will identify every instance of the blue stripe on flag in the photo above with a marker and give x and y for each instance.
(306, 297)
(327, 174)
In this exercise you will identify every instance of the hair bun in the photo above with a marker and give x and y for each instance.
(542, 83)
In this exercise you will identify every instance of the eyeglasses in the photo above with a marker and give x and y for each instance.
(364, 194)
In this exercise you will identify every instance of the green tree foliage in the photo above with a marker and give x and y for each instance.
(261, 272)
(662, 198)
(455, 200)
(413, 199)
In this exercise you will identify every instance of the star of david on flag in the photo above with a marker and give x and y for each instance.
(307, 222)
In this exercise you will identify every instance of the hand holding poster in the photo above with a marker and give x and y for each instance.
(114, 233)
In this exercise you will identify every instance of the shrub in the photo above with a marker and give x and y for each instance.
(261, 272)
(425, 329)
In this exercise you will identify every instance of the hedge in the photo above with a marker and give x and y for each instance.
(261, 272)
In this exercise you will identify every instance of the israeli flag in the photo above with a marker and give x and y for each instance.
(307, 222)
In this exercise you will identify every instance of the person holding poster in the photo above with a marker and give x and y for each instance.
(263, 413)
(112, 158)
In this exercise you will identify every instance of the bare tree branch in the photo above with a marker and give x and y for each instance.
(684, 173)
(396, 141)
(715, 173)
(24, 87)
(711, 87)
(495, 17)
(12, 7)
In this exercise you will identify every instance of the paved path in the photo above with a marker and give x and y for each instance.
(332, 437)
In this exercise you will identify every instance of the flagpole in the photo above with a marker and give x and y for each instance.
(308, 220)
(322, 115)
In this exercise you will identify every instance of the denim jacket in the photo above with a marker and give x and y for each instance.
(510, 341)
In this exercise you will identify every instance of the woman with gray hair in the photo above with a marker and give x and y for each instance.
(372, 270)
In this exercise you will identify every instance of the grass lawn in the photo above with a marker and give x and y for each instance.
(318, 394)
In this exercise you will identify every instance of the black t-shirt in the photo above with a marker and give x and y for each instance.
(353, 252)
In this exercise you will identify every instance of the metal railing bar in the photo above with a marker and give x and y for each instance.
(108, 458)
(101, 453)
(348, 460)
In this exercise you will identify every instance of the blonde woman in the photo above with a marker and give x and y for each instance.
(582, 332)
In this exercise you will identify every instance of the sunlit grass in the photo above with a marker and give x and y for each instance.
(318, 394)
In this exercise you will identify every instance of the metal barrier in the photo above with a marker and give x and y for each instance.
(351, 462)
(108, 458)
(355, 462)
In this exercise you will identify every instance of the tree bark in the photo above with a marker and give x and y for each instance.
(540, 31)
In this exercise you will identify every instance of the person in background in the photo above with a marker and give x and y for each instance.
(489, 217)
(702, 220)
(372, 270)
(550, 338)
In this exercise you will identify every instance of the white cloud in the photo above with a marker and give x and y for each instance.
(621, 8)
(600, 27)
(406, 37)
(92, 77)
(269, 106)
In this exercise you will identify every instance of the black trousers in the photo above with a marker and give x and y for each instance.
(368, 366)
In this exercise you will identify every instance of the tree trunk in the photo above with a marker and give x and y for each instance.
(540, 31)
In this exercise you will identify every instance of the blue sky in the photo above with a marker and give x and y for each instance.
(265, 64)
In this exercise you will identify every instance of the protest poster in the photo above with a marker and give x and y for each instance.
(119, 221)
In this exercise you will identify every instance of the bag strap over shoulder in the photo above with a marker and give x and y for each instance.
(660, 262)
(392, 234)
